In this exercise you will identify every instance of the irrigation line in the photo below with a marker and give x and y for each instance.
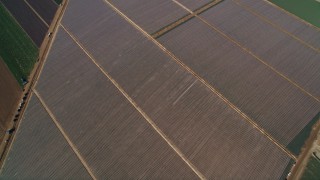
(64, 134)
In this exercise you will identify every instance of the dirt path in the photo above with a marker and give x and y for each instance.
(303, 159)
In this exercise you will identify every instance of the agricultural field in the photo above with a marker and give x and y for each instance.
(312, 170)
(203, 101)
(250, 85)
(122, 134)
(27, 19)
(10, 94)
(150, 15)
(260, 38)
(308, 10)
(16, 48)
(48, 144)
(280, 19)
(45, 8)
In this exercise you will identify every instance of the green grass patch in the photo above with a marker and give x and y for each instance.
(309, 10)
(58, 1)
(296, 144)
(16, 48)
(312, 170)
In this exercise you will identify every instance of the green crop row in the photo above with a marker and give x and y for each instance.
(16, 48)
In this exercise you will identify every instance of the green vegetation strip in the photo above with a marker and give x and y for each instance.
(296, 144)
(16, 48)
(312, 170)
(309, 10)
(58, 1)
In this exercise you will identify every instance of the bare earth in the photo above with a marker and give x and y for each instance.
(10, 94)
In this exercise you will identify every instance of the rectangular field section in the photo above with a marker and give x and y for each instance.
(10, 94)
(282, 19)
(39, 150)
(272, 102)
(109, 132)
(308, 10)
(193, 117)
(287, 55)
(45, 8)
(150, 15)
(27, 19)
(16, 48)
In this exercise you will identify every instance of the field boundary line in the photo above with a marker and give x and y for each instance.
(135, 105)
(256, 57)
(249, 120)
(37, 14)
(292, 15)
(184, 19)
(248, 9)
(64, 134)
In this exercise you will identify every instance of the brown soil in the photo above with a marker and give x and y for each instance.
(10, 94)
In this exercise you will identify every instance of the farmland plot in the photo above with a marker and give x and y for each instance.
(289, 56)
(46, 8)
(150, 15)
(194, 118)
(40, 151)
(276, 105)
(309, 10)
(27, 19)
(109, 132)
(16, 48)
(10, 93)
(194, 4)
(293, 25)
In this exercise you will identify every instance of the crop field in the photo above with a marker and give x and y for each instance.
(159, 82)
(190, 104)
(279, 18)
(308, 10)
(194, 4)
(45, 8)
(251, 86)
(150, 15)
(10, 94)
(28, 20)
(16, 48)
(312, 170)
(39, 134)
(124, 140)
(292, 58)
